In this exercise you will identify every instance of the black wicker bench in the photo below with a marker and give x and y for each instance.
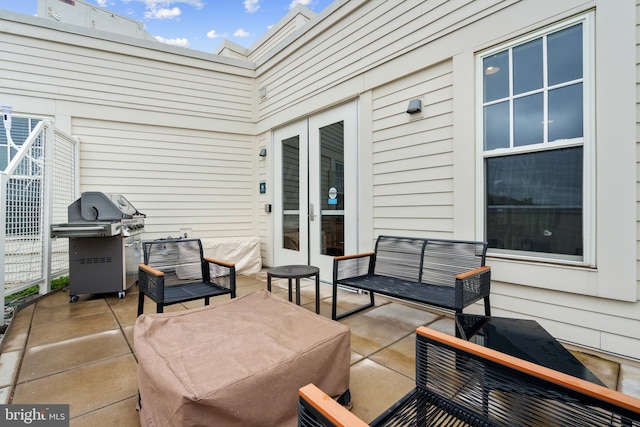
(462, 383)
(449, 274)
(175, 271)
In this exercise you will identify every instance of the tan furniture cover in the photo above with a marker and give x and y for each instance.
(239, 363)
(244, 252)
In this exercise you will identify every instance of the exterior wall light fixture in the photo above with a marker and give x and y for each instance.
(263, 152)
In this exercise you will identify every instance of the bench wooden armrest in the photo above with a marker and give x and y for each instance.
(472, 286)
(150, 270)
(474, 272)
(328, 408)
(361, 255)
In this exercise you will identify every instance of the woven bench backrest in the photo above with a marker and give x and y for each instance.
(432, 261)
(444, 259)
(399, 257)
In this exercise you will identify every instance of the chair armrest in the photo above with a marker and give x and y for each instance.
(151, 282)
(472, 285)
(561, 380)
(325, 409)
(352, 265)
(219, 262)
(150, 270)
(222, 273)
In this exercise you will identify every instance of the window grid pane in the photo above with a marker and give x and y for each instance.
(551, 56)
(534, 198)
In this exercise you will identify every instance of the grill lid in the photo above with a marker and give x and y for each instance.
(97, 206)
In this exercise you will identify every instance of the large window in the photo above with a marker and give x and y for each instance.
(535, 94)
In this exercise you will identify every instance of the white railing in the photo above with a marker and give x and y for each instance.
(35, 189)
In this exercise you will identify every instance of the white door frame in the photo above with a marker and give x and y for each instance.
(310, 236)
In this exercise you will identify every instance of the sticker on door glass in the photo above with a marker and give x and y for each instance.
(333, 196)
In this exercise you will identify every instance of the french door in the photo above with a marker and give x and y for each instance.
(315, 196)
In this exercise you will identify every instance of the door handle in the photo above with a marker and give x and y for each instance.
(312, 215)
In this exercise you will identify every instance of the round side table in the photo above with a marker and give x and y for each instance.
(296, 272)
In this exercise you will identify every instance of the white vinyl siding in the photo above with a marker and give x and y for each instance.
(171, 132)
(179, 178)
(413, 156)
(369, 44)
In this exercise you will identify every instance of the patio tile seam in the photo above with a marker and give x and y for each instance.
(76, 367)
(121, 328)
(22, 349)
(105, 406)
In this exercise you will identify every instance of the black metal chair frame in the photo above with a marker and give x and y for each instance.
(462, 383)
(176, 271)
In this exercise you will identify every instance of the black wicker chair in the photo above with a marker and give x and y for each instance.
(462, 383)
(175, 271)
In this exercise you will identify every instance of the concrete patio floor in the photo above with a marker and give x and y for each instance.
(82, 354)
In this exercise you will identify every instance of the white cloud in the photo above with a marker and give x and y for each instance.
(182, 42)
(163, 9)
(102, 3)
(241, 32)
(213, 35)
(162, 13)
(294, 3)
(251, 5)
(156, 4)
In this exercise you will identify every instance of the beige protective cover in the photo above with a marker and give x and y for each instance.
(239, 363)
(244, 252)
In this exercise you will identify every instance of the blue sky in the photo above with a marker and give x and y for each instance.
(196, 24)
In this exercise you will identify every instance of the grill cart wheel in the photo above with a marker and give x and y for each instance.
(74, 298)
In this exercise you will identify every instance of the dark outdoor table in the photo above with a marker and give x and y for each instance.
(296, 272)
(524, 339)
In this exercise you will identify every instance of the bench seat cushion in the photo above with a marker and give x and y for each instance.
(239, 363)
(439, 296)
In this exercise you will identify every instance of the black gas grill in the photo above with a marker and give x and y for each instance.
(104, 244)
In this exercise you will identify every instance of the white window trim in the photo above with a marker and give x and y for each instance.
(588, 144)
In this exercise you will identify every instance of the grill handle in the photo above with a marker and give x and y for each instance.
(94, 228)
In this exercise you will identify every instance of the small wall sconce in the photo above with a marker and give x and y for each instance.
(263, 152)
(415, 106)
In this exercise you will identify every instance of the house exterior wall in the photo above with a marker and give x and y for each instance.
(421, 175)
(174, 133)
(135, 106)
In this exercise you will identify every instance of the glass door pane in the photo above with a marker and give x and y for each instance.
(332, 189)
(291, 193)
